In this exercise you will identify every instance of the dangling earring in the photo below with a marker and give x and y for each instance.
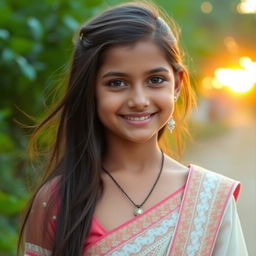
(171, 125)
(175, 98)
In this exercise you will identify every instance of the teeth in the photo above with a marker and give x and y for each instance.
(137, 118)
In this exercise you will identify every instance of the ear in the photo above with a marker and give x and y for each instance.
(178, 82)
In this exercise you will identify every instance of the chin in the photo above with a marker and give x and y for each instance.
(142, 139)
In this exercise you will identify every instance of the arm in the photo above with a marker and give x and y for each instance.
(39, 230)
(230, 240)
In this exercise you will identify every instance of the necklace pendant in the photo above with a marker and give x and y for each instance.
(137, 211)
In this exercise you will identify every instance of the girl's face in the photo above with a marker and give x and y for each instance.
(135, 90)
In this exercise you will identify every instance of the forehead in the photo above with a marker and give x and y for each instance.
(138, 57)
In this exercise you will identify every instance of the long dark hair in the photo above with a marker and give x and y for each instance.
(78, 149)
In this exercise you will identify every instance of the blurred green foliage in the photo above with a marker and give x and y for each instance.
(35, 41)
(35, 45)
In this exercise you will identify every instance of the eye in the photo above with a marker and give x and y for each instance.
(117, 83)
(156, 80)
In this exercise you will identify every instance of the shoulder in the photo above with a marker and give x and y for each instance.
(40, 223)
(175, 174)
(47, 190)
(175, 166)
(46, 198)
(213, 177)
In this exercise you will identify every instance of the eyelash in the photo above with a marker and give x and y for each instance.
(159, 77)
(110, 83)
(114, 81)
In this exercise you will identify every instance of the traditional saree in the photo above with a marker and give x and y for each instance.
(200, 218)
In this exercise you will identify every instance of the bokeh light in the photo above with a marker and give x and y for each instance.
(206, 7)
(238, 80)
(247, 6)
(231, 44)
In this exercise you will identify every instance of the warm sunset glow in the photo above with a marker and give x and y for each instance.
(247, 6)
(231, 44)
(239, 80)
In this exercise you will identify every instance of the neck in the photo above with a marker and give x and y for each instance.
(132, 157)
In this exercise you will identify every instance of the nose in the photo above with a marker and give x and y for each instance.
(138, 99)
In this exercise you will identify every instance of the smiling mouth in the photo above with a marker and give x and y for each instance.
(138, 118)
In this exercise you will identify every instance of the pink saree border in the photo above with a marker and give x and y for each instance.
(133, 227)
(232, 189)
(192, 196)
(223, 190)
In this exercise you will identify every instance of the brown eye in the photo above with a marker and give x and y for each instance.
(116, 83)
(156, 80)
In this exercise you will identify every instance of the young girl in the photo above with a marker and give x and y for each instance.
(111, 189)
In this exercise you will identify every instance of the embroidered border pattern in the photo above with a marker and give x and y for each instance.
(225, 188)
(151, 240)
(122, 235)
(201, 212)
(187, 208)
(35, 250)
(205, 199)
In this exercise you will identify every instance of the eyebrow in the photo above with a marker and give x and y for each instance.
(154, 70)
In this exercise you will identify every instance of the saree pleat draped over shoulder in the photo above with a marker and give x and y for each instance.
(194, 220)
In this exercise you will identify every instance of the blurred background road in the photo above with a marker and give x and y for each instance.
(233, 153)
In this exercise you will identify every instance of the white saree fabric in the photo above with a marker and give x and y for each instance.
(230, 240)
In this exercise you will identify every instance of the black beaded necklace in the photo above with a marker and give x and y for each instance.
(138, 207)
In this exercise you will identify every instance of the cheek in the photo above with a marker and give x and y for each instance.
(165, 101)
(168, 107)
(107, 106)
